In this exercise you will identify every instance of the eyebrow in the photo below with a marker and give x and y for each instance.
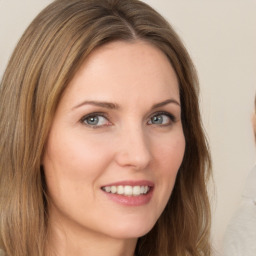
(102, 104)
(110, 105)
(168, 101)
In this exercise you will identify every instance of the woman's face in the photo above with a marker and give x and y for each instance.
(116, 143)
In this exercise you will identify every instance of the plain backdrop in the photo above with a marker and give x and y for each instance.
(221, 38)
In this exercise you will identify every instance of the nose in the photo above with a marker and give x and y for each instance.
(133, 149)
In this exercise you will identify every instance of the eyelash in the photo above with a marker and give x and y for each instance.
(96, 114)
(100, 114)
(169, 115)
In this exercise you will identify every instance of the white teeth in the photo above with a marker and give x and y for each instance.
(108, 189)
(136, 190)
(127, 190)
(113, 189)
(120, 190)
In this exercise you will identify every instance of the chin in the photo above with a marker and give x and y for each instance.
(134, 229)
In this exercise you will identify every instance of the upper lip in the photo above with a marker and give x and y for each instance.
(131, 183)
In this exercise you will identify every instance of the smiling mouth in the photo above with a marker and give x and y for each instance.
(127, 190)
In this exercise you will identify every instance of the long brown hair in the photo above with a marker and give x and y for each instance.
(46, 58)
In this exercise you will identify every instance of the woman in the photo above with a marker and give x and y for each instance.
(102, 147)
(240, 235)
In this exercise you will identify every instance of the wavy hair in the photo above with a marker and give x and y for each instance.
(43, 63)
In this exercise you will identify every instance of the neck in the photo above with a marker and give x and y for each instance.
(65, 241)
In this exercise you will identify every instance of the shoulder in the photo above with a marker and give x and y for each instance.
(250, 188)
(240, 235)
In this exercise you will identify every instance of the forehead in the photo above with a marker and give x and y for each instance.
(125, 69)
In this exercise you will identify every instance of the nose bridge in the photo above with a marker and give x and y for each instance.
(134, 147)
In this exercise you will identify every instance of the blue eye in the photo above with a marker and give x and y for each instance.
(162, 119)
(95, 120)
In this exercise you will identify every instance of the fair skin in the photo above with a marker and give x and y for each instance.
(117, 127)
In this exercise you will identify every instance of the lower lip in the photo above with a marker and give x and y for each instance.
(130, 200)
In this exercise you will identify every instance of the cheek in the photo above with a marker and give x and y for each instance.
(171, 151)
(169, 158)
(74, 163)
(75, 153)
(72, 166)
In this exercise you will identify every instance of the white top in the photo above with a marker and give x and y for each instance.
(250, 186)
(240, 236)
